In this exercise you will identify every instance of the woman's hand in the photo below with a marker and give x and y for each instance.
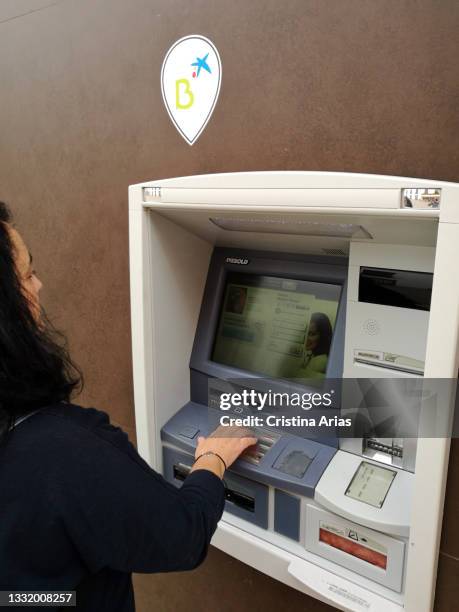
(228, 443)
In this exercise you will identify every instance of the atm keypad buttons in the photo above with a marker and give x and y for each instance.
(266, 439)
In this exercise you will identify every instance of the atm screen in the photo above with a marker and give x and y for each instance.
(278, 327)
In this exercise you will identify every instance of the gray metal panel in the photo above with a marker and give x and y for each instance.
(287, 515)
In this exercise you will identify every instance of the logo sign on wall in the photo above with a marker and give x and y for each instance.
(190, 83)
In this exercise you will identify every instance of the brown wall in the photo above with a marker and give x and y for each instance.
(345, 85)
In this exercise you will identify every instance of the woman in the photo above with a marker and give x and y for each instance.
(79, 509)
(317, 346)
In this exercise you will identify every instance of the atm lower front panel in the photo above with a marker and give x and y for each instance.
(268, 529)
(305, 575)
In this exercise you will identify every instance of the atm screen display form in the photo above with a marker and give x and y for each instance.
(278, 327)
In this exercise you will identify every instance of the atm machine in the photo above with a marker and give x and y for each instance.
(229, 275)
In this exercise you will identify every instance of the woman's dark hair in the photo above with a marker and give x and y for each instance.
(324, 329)
(35, 368)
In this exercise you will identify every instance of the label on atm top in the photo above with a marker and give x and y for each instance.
(393, 361)
(237, 260)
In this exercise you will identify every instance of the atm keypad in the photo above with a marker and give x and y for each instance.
(266, 439)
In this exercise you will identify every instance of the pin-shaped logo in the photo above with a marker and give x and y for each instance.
(190, 83)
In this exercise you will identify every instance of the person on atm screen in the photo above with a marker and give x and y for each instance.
(79, 509)
(317, 346)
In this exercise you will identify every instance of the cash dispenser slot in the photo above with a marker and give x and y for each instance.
(246, 499)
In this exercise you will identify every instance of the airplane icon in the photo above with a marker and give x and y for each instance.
(201, 63)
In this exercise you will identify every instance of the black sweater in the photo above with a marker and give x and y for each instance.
(80, 509)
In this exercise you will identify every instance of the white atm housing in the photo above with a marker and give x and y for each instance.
(368, 220)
